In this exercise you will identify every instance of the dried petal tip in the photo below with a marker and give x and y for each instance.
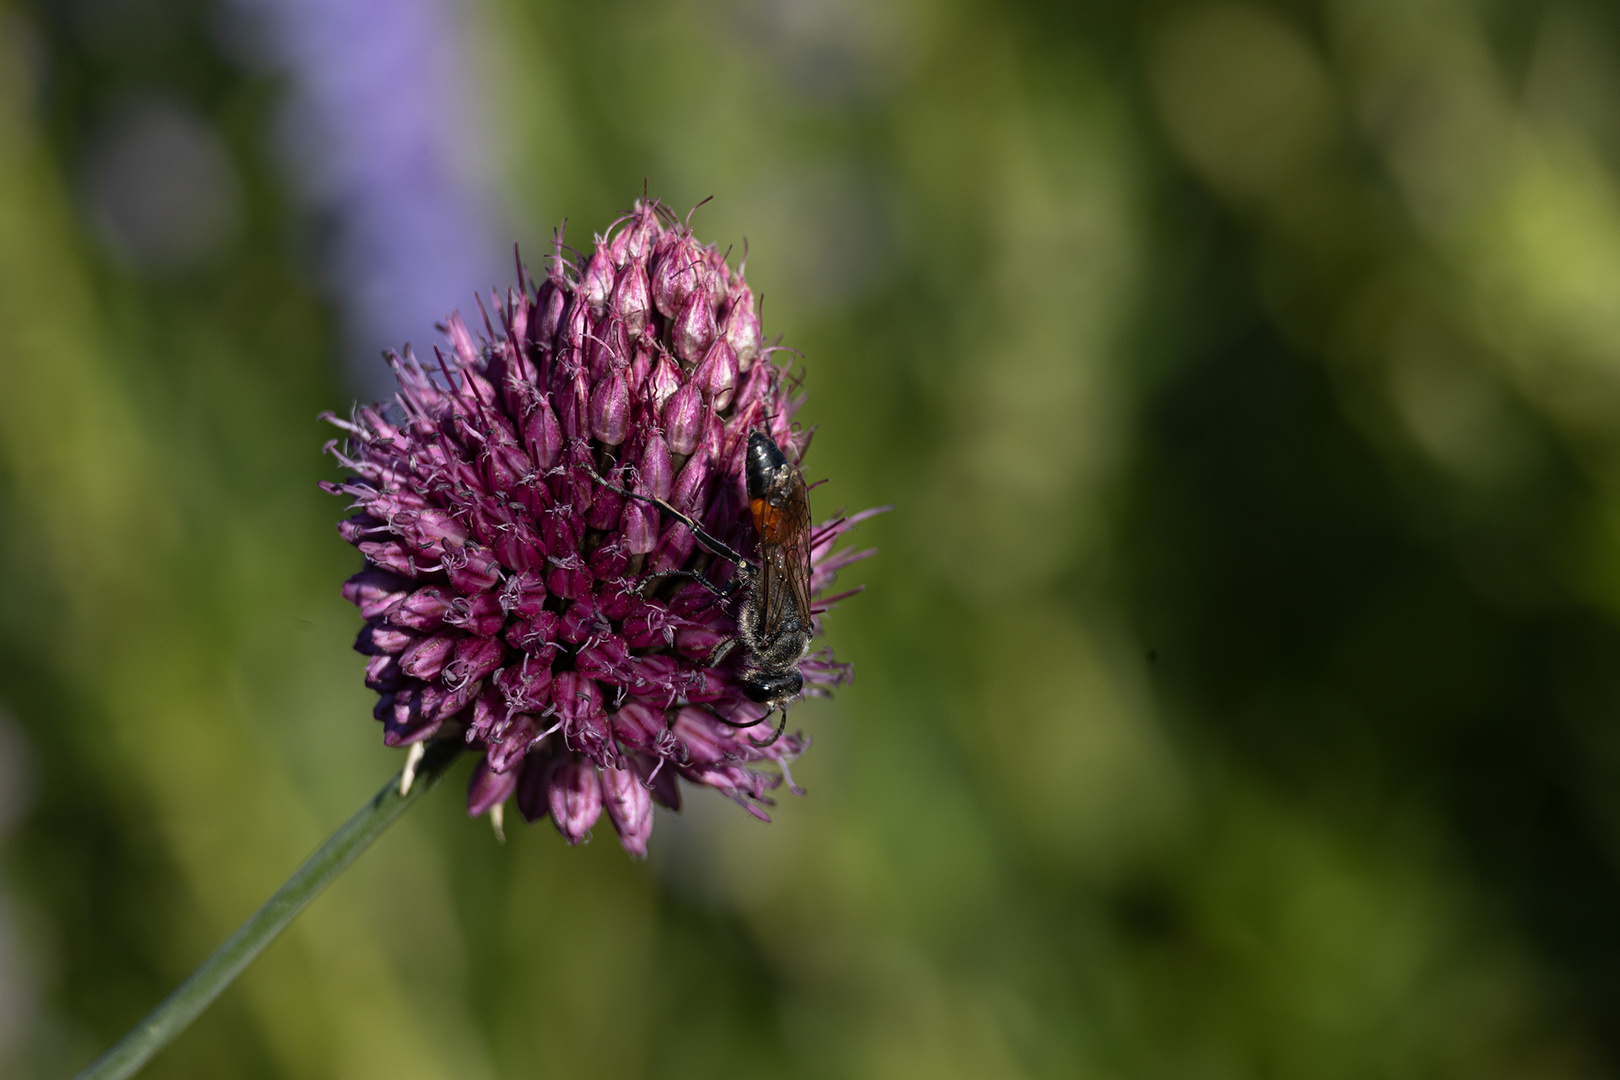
(510, 598)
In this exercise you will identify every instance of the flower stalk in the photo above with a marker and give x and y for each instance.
(176, 1012)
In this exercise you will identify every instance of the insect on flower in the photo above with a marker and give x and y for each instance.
(508, 584)
(774, 627)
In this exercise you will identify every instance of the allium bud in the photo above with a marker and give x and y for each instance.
(375, 591)
(488, 788)
(679, 267)
(629, 807)
(664, 380)
(639, 527)
(632, 298)
(553, 302)
(654, 477)
(634, 243)
(596, 283)
(694, 329)
(683, 418)
(425, 657)
(740, 327)
(717, 374)
(543, 435)
(509, 597)
(575, 797)
(610, 409)
(609, 347)
(690, 485)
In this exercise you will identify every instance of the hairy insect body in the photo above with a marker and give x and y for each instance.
(774, 626)
(771, 673)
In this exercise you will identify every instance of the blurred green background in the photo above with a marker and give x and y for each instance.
(1238, 686)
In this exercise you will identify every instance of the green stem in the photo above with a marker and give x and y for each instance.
(180, 1008)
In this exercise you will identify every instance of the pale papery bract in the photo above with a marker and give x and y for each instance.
(506, 593)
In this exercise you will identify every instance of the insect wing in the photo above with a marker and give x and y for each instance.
(796, 551)
(785, 561)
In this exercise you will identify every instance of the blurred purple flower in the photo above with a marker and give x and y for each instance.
(506, 593)
(383, 134)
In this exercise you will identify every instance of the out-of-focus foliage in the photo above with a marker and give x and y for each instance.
(1239, 683)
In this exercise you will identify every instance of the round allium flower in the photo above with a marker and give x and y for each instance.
(514, 601)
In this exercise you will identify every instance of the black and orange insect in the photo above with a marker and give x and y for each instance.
(774, 626)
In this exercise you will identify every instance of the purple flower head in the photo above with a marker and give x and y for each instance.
(515, 602)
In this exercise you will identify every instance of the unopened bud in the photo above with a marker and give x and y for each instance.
(632, 243)
(639, 524)
(596, 284)
(573, 398)
(609, 347)
(716, 376)
(759, 385)
(425, 657)
(741, 327)
(632, 298)
(578, 700)
(683, 419)
(381, 639)
(664, 380)
(610, 409)
(487, 789)
(655, 471)
(694, 329)
(687, 494)
(576, 799)
(543, 435)
(713, 438)
(680, 267)
(383, 674)
(374, 591)
(641, 366)
(552, 304)
(629, 807)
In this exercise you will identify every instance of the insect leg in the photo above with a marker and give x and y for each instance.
(715, 546)
(722, 591)
(721, 651)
